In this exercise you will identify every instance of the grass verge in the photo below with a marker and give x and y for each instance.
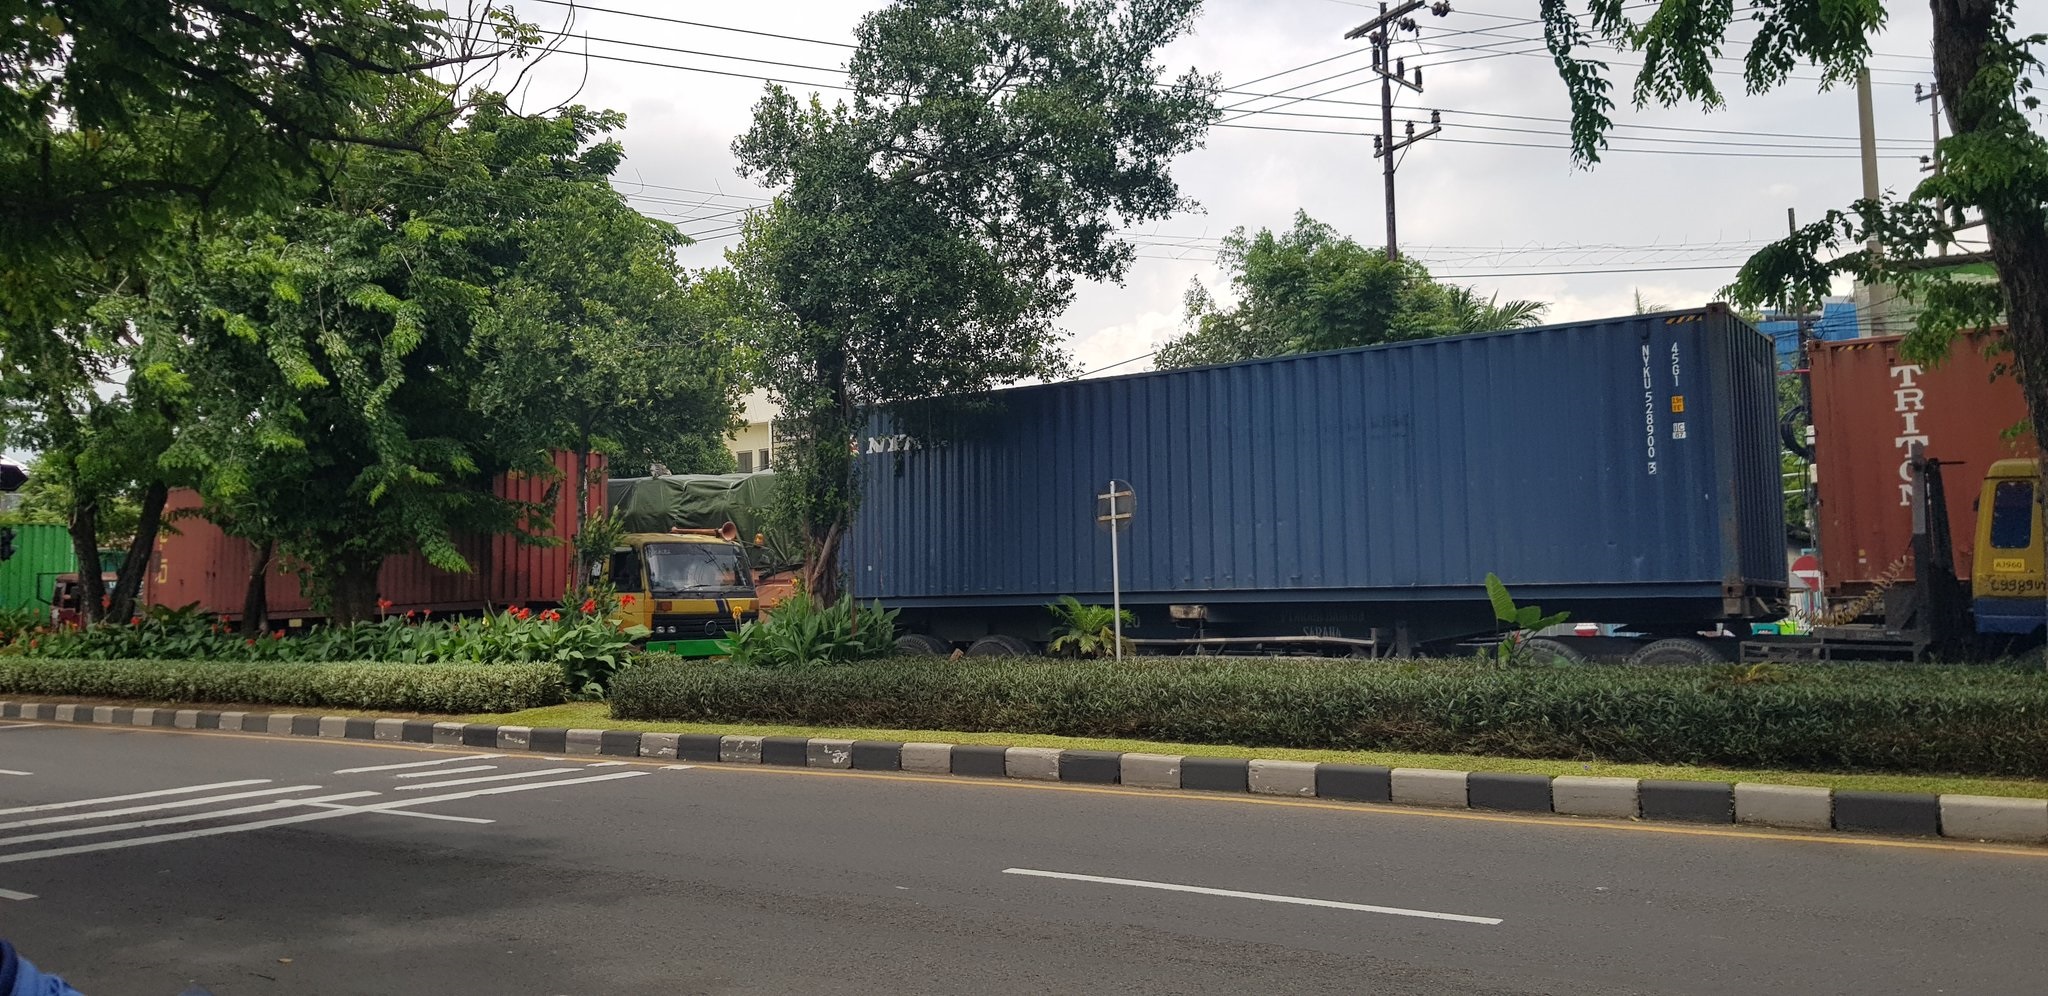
(597, 716)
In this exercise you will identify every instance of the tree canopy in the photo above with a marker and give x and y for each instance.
(931, 229)
(1993, 167)
(1310, 288)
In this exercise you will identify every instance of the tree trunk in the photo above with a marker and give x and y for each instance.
(2017, 229)
(256, 597)
(85, 547)
(351, 588)
(577, 567)
(126, 596)
(821, 571)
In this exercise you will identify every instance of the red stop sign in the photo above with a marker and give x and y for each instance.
(1807, 569)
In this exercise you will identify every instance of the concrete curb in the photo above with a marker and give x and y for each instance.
(1961, 817)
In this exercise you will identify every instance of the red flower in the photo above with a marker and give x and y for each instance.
(279, 635)
(106, 601)
(134, 620)
(408, 613)
(589, 606)
(626, 599)
(250, 642)
(383, 605)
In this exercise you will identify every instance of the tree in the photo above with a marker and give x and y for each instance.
(345, 348)
(1310, 288)
(1994, 164)
(595, 339)
(126, 124)
(931, 229)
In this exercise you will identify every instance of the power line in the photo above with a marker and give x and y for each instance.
(1567, 148)
(694, 24)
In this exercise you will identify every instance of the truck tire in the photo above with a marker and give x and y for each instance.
(922, 645)
(1678, 650)
(1001, 645)
(1546, 650)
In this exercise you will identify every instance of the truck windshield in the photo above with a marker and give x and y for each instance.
(673, 568)
(2012, 515)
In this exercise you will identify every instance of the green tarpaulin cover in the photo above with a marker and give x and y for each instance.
(707, 501)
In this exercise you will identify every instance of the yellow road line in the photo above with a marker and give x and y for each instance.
(1844, 839)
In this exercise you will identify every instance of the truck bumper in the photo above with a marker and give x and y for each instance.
(2010, 615)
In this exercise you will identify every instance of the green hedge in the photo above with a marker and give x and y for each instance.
(1978, 720)
(445, 688)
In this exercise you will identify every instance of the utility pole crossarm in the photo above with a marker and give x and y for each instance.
(1386, 17)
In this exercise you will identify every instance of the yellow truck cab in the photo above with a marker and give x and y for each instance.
(2009, 592)
(691, 589)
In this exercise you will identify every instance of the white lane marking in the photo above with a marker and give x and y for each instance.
(325, 814)
(486, 778)
(1261, 896)
(441, 772)
(677, 767)
(19, 726)
(403, 812)
(417, 764)
(606, 764)
(11, 771)
(11, 894)
(159, 793)
(164, 821)
(98, 814)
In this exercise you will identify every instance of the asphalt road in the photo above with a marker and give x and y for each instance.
(570, 878)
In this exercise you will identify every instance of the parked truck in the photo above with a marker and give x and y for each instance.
(1624, 470)
(685, 586)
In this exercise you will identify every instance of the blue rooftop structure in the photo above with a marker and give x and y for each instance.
(1838, 320)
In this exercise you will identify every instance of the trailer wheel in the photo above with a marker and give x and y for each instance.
(1544, 650)
(1678, 650)
(1001, 645)
(922, 645)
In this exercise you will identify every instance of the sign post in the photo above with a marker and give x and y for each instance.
(1114, 508)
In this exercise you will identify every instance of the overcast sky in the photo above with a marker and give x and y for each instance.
(1501, 217)
(1476, 202)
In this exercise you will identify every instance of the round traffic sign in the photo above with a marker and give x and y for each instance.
(1807, 569)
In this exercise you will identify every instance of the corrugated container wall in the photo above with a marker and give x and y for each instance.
(204, 566)
(1870, 404)
(28, 579)
(1633, 457)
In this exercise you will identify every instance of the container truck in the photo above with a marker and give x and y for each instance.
(1624, 470)
(1871, 404)
(685, 586)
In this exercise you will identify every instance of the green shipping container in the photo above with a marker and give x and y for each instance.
(29, 578)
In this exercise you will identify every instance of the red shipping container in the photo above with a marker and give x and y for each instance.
(204, 566)
(1870, 405)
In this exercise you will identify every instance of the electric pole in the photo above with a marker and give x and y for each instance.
(1380, 32)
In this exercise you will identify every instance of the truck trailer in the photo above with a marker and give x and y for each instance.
(1625, 470)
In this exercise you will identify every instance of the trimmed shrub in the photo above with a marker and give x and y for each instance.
(1976, 720)
(444, 688)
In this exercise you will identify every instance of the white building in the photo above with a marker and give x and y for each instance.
(753, 445)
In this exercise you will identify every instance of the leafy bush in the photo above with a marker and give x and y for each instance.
(1522, 621)
(587, 647)
(800, 632)
(1980, 720)
(1086, 630)
(442, 688)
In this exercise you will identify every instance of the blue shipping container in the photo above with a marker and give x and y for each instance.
(1624, 469)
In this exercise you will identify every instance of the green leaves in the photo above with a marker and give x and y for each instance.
(801, 632)
(931, 229)
(1521, 620)
(1310, 288)
(1085, 630)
